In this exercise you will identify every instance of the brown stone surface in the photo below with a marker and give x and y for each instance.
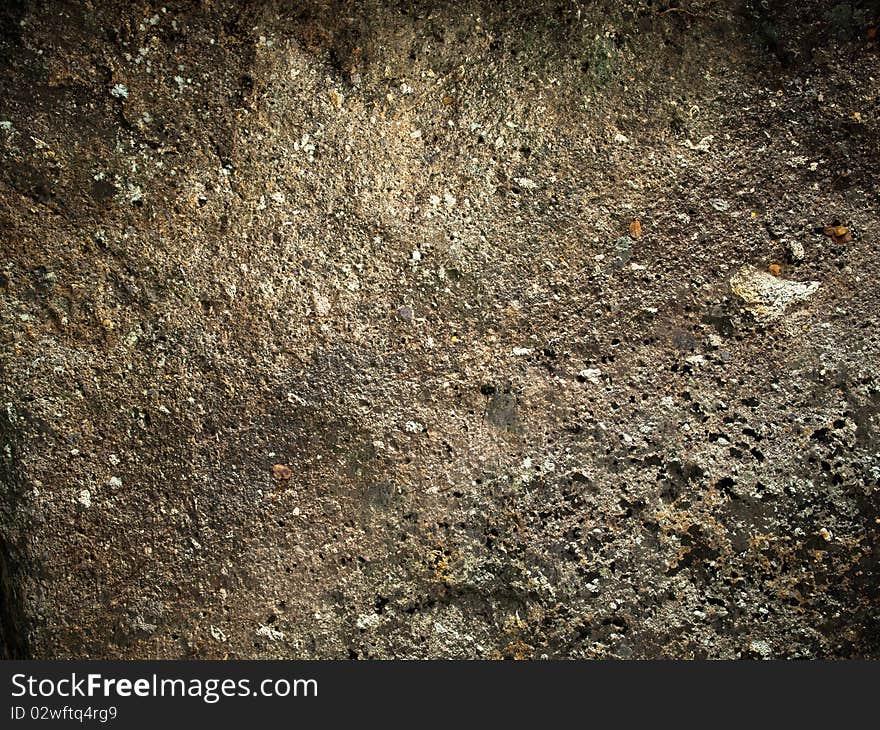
(324, 334)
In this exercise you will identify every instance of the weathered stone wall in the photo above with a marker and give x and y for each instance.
(327, 330)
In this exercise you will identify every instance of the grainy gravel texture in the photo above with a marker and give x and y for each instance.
(327, 331)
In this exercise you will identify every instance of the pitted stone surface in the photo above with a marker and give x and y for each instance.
(327, 330)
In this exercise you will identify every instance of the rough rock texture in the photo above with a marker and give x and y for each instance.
(325, 331)
(767, 295)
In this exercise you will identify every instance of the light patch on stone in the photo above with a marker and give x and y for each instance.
(593, 375)
(368, 620)
(768, 296)
(321, 303)
(270, 633)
